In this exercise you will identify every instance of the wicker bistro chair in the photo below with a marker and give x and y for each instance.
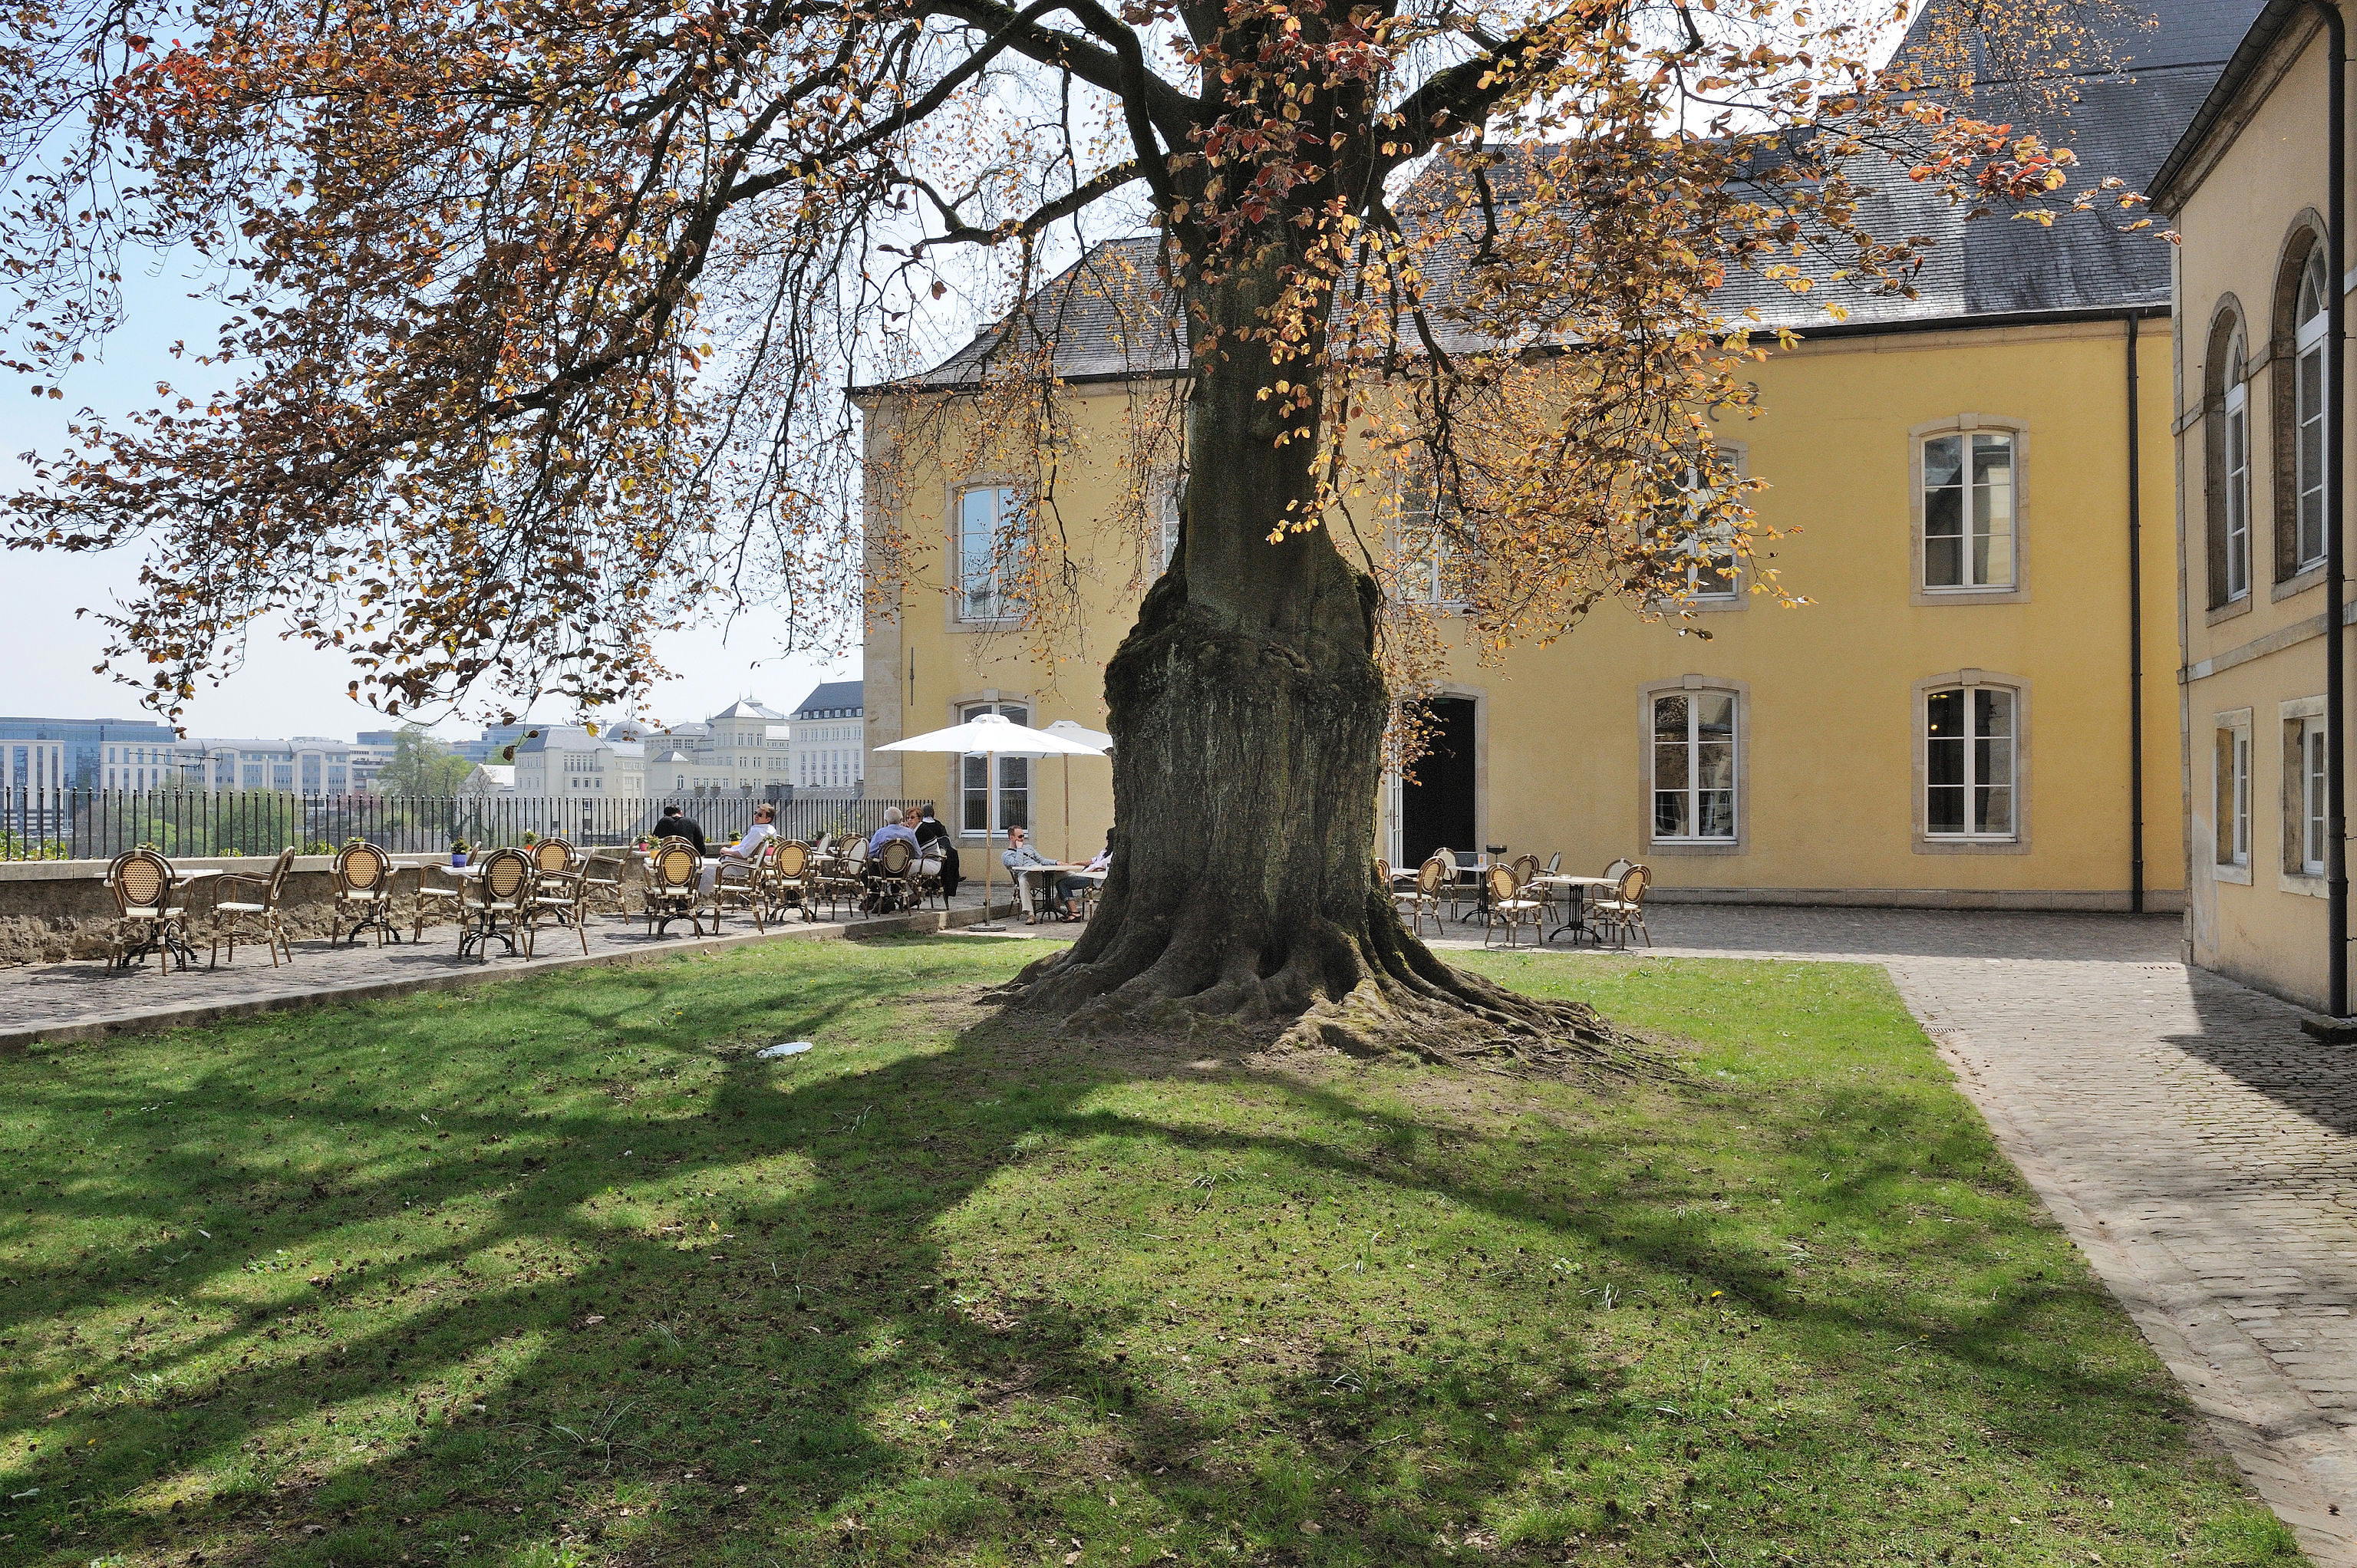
(555, 899)
(438, 901)
(930, 862)
(674, 886)
(498, 904)
(553, 857)
(363, 879)
(743, 885)
(1624, 911)
(557, 871)
(789, 880)
(890, 879)
(1511, 906)
(245, 909)
(147, 918)
(1423, 898)
(841, 878)
(601, 879)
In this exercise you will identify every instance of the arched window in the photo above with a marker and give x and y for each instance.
(2308, 414)
(2226, 401)
(1971, 735)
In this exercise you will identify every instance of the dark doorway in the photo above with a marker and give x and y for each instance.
(1437, 802)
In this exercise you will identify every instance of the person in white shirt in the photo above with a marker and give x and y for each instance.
(764, 828)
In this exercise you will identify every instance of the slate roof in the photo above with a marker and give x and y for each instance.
(833, 696)
(1108, 316)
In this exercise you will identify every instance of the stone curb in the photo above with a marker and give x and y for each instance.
(17, 1042)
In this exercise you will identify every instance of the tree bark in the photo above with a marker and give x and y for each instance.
(1247, 711)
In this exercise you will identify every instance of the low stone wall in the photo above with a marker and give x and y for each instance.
(51, 910)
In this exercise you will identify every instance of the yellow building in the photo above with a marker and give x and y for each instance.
(1974, 488)
(2248, 187)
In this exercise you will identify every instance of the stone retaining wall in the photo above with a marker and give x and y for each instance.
(51, 910)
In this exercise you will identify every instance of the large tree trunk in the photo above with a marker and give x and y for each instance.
(1247, 713)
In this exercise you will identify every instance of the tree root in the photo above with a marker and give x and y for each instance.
(1370, 994)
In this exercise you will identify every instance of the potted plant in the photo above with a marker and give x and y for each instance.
(458, 852)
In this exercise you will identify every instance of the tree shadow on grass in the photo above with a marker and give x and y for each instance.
(764, 1349)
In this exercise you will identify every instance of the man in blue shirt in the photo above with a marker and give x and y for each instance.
(1021, 859)
(902, 827)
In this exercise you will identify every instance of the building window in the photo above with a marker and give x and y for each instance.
(1694, 767)
(1704, 565)
(2310, 755)
(1968, 510)
(2229, 455)
(995, 792)
(1433, 560)
(1969, 753)
(990, 536)
(1165, 531)
(2231, 809)
(2308, 320)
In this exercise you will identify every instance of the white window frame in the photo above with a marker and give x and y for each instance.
(1969, 433)
(2309, 416)
(1736, 455)
(2312, 781)
(2231, 796)
(994, 786)
(2237, 466)
(1166, 531)
(983, 584)
(1686, 781)
(1970, 682)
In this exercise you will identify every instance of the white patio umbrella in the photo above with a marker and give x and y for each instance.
(1096, 740)
(993, 735)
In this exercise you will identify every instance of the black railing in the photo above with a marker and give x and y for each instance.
(98, 824)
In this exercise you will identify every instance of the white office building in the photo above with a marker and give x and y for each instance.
(830, 737)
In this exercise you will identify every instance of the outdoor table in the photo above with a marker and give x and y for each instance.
(1579, 887)
(1023, 873)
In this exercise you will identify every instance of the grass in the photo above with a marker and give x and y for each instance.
(555, 1272)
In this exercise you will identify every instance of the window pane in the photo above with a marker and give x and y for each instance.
(1714, 766)
(1715, 715)
(1993, 811)
(1944, 809)
(1945, 712)
(1991, 711)
(1942, 461)
(1670, 719)
(1718, 812)
(1669, 813)
(975, 774)
(1670, 765)
(1944, 563)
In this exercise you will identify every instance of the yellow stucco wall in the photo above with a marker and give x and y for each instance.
(2262, 656)
(1831, 744)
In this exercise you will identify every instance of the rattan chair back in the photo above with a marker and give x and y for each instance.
(1634, 882)
(1526, 867)
(361, 868)
(1618, 868)
(552, 855)
(1431, 874)
(895, 858)
(674, 866)
(1499, 879)
(505, 875)
(793, 859)
(142, 881)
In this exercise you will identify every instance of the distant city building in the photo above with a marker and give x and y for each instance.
(744, 749)
(86, 754)
(305, 765)
(830, 737)
(567, 760)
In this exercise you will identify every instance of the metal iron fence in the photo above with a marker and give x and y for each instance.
(98, 824)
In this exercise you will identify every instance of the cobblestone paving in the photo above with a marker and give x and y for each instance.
(57, 1001)
(2199, 1148)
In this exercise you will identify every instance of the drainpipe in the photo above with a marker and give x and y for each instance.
(2135, 633)
(2336, 566)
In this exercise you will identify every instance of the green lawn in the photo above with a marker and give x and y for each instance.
(553, 1272)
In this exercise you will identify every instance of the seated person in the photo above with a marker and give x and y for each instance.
(675, 823)
(902, 827)
(765, 827)
(933, 840)
(1021, 858)
(1102, 862)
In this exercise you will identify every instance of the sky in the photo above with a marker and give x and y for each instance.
(284, 688)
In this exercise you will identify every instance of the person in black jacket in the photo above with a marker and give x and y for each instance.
(675, 823)
(933, 840)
